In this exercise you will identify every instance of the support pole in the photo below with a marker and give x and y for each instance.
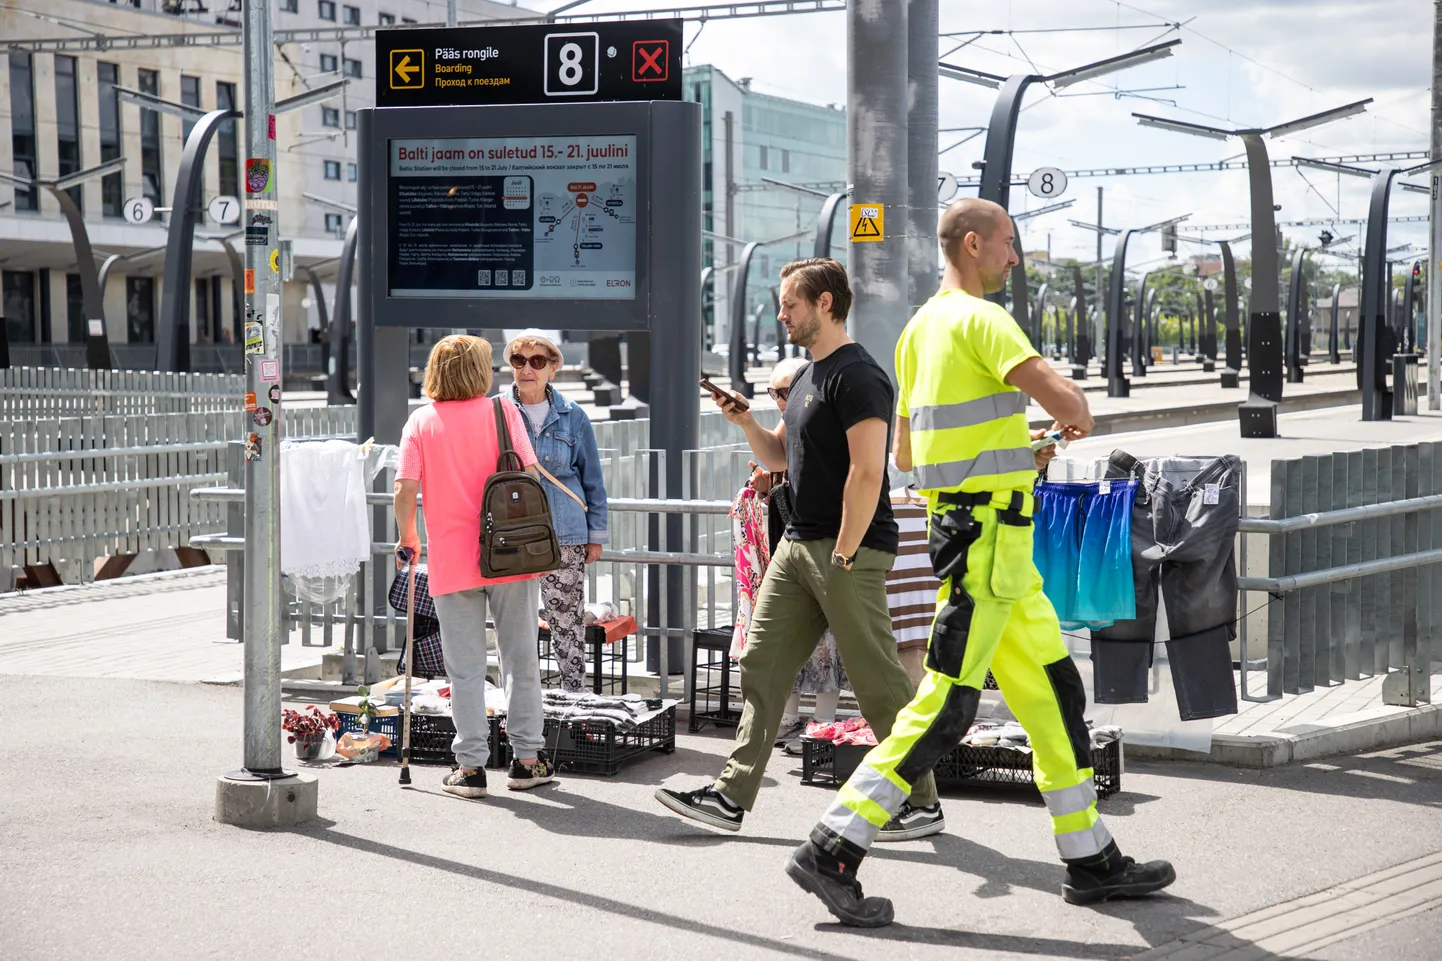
(1081, 337)
(1258, 416)
(97, 346)
(338, 333)
(262, 793)
(1434, 259)
(1296, 305)
(263, 632)
(1334, 353)
(1232, 373)
(1117, 384)
(876, 114)
(921, 160)
(1375, 339)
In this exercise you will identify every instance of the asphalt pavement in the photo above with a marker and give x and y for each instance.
(109, 848)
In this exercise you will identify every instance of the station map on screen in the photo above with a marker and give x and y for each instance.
(513, 217)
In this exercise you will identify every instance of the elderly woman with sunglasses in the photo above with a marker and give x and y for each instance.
(570, 467)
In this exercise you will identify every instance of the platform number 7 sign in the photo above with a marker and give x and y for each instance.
(572, 64)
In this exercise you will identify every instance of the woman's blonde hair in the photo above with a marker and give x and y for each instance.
(785, 371)
(459, 368)
(524, 341)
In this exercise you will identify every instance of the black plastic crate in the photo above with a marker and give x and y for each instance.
(607, 662)
(432, 734)
(712, 696)
(596, 747)
(389, 725)
(825, 763)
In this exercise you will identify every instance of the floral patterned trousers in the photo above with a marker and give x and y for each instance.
(563, 595)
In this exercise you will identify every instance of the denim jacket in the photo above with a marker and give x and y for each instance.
(565, 445)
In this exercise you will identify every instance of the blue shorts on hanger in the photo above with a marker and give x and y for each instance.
(1083, 550)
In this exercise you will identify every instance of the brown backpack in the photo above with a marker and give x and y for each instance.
(517, 534)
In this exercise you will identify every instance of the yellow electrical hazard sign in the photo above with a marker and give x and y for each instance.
(408, 69)
(868, 223)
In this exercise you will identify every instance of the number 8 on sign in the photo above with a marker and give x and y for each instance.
(572, 64)
(1047, 182)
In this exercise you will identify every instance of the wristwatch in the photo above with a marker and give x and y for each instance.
(842, 561)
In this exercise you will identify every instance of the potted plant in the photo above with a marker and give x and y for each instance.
(307, 730)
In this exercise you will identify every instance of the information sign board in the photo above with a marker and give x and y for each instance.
(550, 217)
(529, 63)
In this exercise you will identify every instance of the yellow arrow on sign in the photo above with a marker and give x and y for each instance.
(405, 68)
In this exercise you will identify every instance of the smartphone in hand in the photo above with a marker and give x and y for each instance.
(740, 402)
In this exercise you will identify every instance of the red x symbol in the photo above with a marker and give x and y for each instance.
(650, 61)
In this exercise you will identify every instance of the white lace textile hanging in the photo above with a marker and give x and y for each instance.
(324, 529)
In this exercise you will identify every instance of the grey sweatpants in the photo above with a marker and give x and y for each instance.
(463, 641)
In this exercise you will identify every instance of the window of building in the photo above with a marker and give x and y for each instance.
(112, 190)
(332, 170)
(352, 68)
(202, 310)
(329, 117)
(67, 123)
(226, 143)
(76, 328)
(290, 6)
(152, 171)
(386, 19)
(786, 161)
(140, 309)
(190, 96)
(327, 10)
(352, 16)
(22, 127)
(763, 157)
(332, 223)
(350, 172)
(350, 119)
(19, 299)
(329, 63)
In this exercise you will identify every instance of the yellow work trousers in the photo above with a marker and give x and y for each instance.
(991, 614)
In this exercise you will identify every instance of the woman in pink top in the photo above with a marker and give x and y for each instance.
(448, 451)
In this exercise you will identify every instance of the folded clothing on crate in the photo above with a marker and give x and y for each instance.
(983, 733)
(626, 711)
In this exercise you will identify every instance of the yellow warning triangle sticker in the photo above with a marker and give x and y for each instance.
(866, 227)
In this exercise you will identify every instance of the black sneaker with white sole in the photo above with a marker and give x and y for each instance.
(1131, 880)
(789, 729)
(523, 777)
(705, 805)
(465, 782)
(838, 889)
(912, 822)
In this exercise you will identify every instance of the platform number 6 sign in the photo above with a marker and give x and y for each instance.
(572, 64)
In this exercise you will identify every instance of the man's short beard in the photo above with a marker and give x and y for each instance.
(994, 284)
(804, 333)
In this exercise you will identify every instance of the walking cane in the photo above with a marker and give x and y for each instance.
(410, 653)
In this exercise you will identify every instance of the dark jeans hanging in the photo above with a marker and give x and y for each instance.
(1184, 526)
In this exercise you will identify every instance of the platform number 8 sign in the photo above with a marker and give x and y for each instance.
(572, 64)
(1047, 182)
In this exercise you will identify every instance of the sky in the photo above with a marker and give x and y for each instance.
(1241, 63)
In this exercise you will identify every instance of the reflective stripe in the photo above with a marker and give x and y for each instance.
(1070, 800)
(862, 807)
(1074, 845)
(932, 477)
(968, 413)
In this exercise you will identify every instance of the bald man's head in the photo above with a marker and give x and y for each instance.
(976, 237)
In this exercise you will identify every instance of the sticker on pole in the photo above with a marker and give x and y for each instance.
(257, 175)
(249, 281)
(1047, 182)
(868, 223)
(270, 374)
(254, 338)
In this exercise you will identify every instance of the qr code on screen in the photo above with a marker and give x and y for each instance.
(518, 278)
(483, 278)
(503, 278)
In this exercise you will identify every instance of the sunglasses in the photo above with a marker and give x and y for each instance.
(537, 361)
(779, 393)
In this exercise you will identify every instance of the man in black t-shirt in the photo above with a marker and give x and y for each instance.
(830, 569)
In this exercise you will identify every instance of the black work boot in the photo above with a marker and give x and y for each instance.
(1126, 879)
(838, 889)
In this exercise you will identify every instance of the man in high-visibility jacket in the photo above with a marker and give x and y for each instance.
(964, 371)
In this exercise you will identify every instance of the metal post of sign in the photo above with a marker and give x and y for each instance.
(1081, 340)
(1375, 341)
(172, 336)
(1296, 305)
(1334, 352)
(250, 796)
(921, 158)
(1117, 383)
(1434, 259)
(1232, 373)
(877, 160)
